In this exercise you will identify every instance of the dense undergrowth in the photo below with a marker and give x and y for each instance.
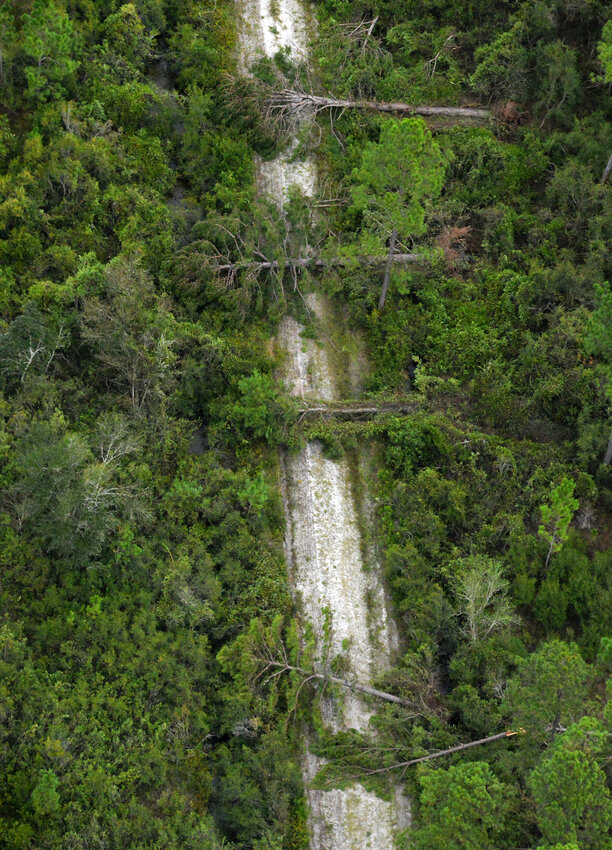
(138, 533)
(141, 525)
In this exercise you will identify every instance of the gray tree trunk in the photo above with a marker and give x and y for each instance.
(303, 100)
(314, 262)
(608, 456)
(385, 287)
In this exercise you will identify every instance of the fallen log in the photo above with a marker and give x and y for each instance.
(302, 101)
(607, 170)
(349, 412)
(315, 262)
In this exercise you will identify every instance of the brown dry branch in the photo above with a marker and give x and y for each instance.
(454, 242)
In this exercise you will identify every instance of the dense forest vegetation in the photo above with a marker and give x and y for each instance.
(141, 519)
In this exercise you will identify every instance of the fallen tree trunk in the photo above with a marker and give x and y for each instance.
(349, 412)
(302, 101)
(404, 764)
(608, 455)
(387, 278)
(607, 170)
(315, 262)
(355, 686)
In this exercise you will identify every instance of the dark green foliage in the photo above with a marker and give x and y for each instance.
(132, 550)
(467, 806)
(141, 524)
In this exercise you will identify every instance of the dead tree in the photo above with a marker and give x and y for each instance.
(607, 170)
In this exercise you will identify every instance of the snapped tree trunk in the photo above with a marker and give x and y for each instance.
(385, 286)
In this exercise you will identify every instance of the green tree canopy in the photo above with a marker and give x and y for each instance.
(549, 689)
(569, 787)
(396, 177)
(463, 808)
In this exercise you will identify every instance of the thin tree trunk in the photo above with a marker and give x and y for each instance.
(605, 176)
(385, 287)
(457, 749)
(355, 686)
(303, 100)
(608, 455)
(313, 262)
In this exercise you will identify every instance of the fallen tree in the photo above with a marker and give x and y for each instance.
(402, 765)
(285, 667)
(264, 658)
(315, 262)
(298, 102)
(356, 411)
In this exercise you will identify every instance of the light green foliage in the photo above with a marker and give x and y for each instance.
(557, 516)
(463, 808)
(481, 593)
(262, 411)
(45, 797)
(604, 51)
(256, 493)
(127, 35)
(397, 175)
